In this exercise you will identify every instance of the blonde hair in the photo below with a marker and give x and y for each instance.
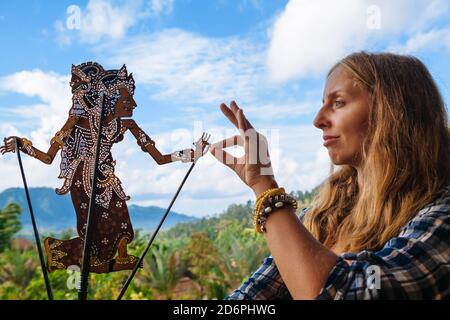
(405, 156)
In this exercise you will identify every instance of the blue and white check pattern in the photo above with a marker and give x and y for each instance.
(413, 265)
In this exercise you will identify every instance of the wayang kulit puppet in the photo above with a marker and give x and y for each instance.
(94, 88)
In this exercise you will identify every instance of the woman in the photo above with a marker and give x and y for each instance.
(379, 227)
(94, 88)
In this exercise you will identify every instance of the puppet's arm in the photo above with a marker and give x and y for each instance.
(148, 145)
(26, 145)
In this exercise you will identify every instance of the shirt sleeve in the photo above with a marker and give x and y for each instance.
(266, 283)
(413, 265)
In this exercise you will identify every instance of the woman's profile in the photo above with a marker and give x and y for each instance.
(94, 88)
(379, 226)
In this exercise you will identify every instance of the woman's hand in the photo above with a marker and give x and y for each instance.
(254, 167)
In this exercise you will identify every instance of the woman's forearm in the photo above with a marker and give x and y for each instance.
(304, 263)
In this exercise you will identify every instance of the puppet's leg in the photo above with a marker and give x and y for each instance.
(62, 254)
(122, 248)
(80, 202)
(124, 261)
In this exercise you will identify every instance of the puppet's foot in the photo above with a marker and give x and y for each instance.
(48, 253)
(125, 263)
(54, 255)
(100, 268)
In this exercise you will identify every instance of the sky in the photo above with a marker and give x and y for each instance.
(187, 57)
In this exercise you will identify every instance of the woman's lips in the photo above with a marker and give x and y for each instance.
(329, 140)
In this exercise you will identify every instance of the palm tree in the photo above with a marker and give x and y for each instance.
(241, 251)
(163, 268)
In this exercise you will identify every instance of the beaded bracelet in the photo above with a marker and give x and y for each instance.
(272, 204)
(268, 202)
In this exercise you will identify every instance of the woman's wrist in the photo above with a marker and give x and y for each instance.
(264, 185)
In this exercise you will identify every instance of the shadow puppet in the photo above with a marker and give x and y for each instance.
(92, 88)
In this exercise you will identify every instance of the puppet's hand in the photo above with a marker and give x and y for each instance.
(9, 144)
(201, 146)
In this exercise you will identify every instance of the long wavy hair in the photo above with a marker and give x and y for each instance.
(406, 156)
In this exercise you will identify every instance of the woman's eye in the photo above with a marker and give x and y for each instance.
(338, 103)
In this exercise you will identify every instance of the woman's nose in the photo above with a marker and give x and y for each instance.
(321, 120)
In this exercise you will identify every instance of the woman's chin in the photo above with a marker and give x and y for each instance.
(336, 159)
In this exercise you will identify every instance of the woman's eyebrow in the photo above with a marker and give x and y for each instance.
(334, 93)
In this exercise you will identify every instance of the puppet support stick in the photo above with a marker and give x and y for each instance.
(33, 221)
(84, 277)
(141, 259)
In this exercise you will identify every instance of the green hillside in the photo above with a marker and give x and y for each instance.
(202, 259)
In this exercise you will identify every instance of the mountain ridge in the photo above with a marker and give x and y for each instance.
(55, 213)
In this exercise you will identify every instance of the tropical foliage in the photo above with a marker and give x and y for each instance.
(205, 259)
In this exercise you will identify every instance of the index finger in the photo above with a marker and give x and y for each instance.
(229, 114)
(244, 119)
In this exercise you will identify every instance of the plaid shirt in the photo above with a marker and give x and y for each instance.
(413, 265)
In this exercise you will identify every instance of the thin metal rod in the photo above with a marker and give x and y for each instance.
(35, 229)
(136, 267)
(84, 277)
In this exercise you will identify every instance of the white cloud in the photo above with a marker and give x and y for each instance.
(211, 186)
(7, 129)
(306, 38)
(54, 92)
(103, 20)
(299, 162)
(309, 36)
(181, 66)
(276, 111)
(48, 117)
(159, 7)
(436, 40)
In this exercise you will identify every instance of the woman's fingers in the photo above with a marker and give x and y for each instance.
(237, 114)
(229, 114)
(232, 114)
(236, 109)
(234, 106)
(242, 124)
(229, 142)
(247, 137)
(224, 157)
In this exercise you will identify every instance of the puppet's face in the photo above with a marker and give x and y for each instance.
(125, 104)
(75, 83)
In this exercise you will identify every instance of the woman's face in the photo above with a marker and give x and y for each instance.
(343, 118)
(125, 104)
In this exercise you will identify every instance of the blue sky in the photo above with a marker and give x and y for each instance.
(188, 56)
